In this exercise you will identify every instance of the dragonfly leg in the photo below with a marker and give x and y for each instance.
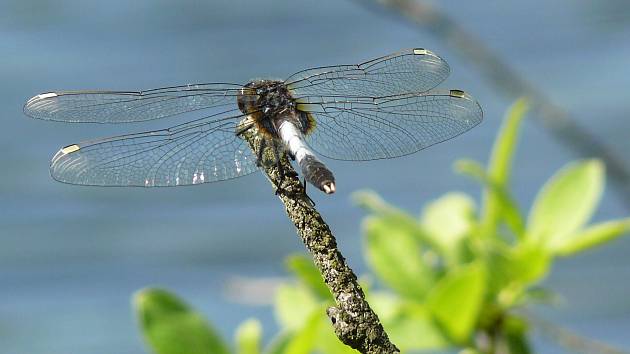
(306, 194)
(282, 173)
(291, 156)
(243, 129)
(276, 154)
(276, 147)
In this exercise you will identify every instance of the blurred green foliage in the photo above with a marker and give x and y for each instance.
(455, 276)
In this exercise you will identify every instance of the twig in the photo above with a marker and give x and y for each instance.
(354, 322)
(571, 340)
(509, 82)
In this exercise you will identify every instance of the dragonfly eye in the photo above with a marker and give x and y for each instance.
(247, 101)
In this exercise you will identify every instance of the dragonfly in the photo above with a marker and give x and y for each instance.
(382, 108)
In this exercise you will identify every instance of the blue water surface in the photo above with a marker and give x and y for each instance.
(71, 257)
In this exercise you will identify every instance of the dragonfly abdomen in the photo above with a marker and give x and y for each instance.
(317, 173)
(313, 169)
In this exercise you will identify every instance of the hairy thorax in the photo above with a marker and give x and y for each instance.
(269, 103)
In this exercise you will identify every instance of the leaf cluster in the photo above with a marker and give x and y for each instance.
(455, 276)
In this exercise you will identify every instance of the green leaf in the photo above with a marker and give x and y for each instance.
(469, 351)
(248, 336)
(292, 305)
(279, 343)
(327, 341)
(500, 163)
(413, 329)
(305, 339)
(456, 301)
(304, 269)
(528, 263)
(512, 269)
(515, 336)
(508, 209)
(373, 203)
(566, 202)
(384, 303)
(170, 326)
(591, 237)
(394, 254)
(408, 323)
(448, 220)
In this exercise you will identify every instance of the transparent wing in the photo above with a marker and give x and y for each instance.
(412, 70)
(369, 129)
(122, 106)
(204, 150)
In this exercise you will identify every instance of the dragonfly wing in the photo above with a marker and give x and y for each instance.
(367, 129)
(201, 151)
(131, 106)
(412, 70)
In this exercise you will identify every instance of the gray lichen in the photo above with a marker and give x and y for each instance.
(354, 322)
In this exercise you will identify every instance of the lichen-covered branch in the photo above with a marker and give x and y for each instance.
(353, 320)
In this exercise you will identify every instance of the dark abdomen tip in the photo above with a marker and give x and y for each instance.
(318, 174)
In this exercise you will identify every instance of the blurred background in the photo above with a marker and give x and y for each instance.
(71, 257)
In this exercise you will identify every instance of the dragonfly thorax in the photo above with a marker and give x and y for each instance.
(267, 102)
(268, 97)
